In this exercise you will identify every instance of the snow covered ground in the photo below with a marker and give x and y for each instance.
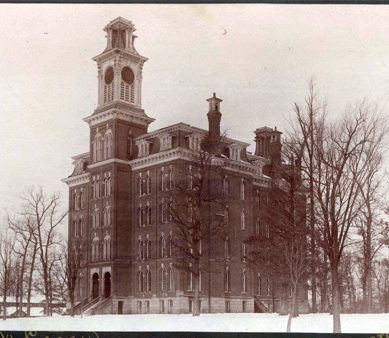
(248, 322)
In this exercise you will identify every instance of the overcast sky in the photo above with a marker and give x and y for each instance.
(257, 58)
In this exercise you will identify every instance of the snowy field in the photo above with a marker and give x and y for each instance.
(248, 322)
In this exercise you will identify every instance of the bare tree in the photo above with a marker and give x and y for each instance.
(371, 195)
(7, 261)
(23, 228)
(283, 248)
(340, 167)
(71, 263)
(305, 130)
(45, 213)
(197, 216)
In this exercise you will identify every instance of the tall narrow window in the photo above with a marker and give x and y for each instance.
(148, 279)
(190, 280)
(140, 280)
(227, 279)
(162, 277)
(268, 286)
(162, 246)
(227, 248)
(243, 252)
(244, 280)
(148, 247)
(242, 190)
(171, 278)
(170, 246)
(148, 183)
(200, 278)
(242, 220)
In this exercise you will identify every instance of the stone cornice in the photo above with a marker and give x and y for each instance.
(108, 161)
(72, 181)
(81, 156)
(132, 55)
(115, 113)
(189, 155)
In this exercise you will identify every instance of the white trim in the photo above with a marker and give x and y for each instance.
(118, 114)
(76, 180)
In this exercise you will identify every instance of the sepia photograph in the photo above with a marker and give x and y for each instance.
(194, 168)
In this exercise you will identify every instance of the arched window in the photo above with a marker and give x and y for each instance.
(148, 247)
(162, 246)
(148, 183)
(242, 220)
(242, 190)
(227, 248)
(98, 147)
(227, 279)
(148, 279)
(170, 246)
(140, 215)
(139, 248)
(148, 214)
(80, 227)
(171, 278)
(163, 276)
(244, 280)
(95, 218)
(95, 249)
(140, 280)
(108, 144)
(107, 247)
(81, 199)
(243, 252)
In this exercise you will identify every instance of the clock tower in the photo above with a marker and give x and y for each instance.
(115, 123)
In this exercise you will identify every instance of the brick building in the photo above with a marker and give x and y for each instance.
(116, 190)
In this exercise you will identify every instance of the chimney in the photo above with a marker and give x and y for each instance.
(214, 117)
(268, 145)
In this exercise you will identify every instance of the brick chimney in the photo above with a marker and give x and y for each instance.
(214, 117)
(268, 145)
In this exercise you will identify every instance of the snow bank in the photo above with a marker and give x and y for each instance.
(248, 322)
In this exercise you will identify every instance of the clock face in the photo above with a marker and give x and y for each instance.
(128, 75)
(108, 77)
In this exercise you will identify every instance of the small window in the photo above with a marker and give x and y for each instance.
(162, 306)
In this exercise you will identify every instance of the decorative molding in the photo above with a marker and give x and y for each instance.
(76, 180)
(115, 113)
(108, 161)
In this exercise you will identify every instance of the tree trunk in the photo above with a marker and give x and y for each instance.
(324, 287)
(313, 244)
(30, 280)
(335, 299)
(292, 309)
(196, 297)
(5, 304)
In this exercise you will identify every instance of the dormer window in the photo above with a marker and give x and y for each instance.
(195, 142)
(166, 142)
(144, 148)
(235, 152)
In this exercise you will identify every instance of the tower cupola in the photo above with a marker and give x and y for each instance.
(120, 66)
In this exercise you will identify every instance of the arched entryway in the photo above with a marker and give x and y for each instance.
(107, 284)
(95, 285)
